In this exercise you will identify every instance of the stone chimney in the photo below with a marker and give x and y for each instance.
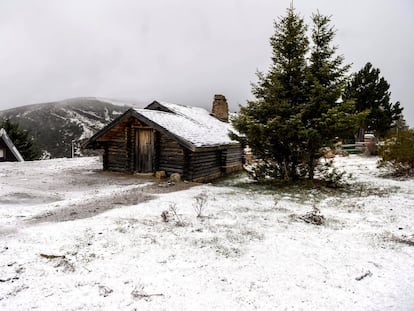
(220, 108)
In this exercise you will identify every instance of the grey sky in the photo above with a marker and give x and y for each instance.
(182, 51)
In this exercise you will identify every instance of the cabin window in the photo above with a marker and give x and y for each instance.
(1, 153)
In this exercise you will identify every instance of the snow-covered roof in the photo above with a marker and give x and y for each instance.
(193, 124)
(10, 145)
(193, 127)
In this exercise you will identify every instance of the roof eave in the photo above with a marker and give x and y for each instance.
(217, 147)
(92, 141)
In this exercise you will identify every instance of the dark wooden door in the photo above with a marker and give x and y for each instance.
(144, 150)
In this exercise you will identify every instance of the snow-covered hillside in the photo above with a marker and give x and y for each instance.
(75, 238)
(55, 125)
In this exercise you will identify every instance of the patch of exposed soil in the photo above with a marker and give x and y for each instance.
(27, 198)
(65, 189)
(94, 206)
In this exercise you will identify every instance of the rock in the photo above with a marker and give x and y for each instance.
(165, 216)
(160, 174)
(175, 177)
(327, 153)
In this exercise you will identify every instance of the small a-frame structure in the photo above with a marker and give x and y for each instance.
(8, 151)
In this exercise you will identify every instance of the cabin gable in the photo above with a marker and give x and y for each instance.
(5, 153)
(8, 151)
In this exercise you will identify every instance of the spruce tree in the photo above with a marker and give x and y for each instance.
(297, 108)
(326, 116)
(271, 124)
(371, 92)
(22, 140)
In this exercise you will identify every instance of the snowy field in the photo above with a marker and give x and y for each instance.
(75, 238)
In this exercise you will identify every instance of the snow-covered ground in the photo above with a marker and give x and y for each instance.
(75, 238)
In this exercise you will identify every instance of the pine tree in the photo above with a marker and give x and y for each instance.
(371, 92)
(271, 124)
(297, 108)
(22, 140)
(325, 115)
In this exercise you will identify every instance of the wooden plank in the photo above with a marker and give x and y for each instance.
(144, 150)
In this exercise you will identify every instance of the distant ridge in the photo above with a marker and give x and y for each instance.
(54, 125)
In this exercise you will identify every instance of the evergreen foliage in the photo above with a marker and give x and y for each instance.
(297, 108)
(271, 123)
(325, 116)
(397, 153)
(371, 92)
(22, 140)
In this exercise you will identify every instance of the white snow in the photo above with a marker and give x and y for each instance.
(88, 125)
(194, 124)
(248, 252)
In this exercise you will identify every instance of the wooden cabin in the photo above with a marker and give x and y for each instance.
(171, 138)
(8, 151)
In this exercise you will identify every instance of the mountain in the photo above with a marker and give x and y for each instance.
(56, 125)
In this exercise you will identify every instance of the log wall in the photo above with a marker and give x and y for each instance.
(119, 145)
(210, 164)
(170, 155)
(232, 159)
(204, 165)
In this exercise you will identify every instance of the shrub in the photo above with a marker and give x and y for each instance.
(331, 176)
(200, 202)
(313, 217)
(397, 154)
(173, 210)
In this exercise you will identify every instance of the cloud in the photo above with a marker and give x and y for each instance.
(179, 50)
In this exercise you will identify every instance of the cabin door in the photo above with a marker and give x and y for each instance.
(144, 150)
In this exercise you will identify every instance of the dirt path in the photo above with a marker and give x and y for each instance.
(64, 190)
(91, 206)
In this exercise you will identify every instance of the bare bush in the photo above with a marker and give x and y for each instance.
(275, 202)
(313, 217)
(174, 211)
(200, 203)
(140, 293)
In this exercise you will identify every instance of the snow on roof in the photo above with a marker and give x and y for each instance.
(10, 145)
(193, 124)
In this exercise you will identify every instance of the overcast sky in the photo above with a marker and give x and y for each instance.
(182, 51)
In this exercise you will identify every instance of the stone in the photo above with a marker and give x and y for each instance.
(160, 174)
(327, 153)
(175, 177)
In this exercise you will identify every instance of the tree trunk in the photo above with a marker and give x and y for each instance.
(360, 135)
(311, 169)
